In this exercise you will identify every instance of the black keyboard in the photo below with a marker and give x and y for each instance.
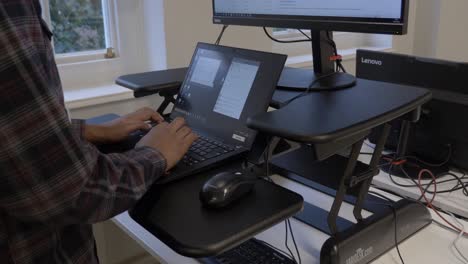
(204, 149)
(250, 252)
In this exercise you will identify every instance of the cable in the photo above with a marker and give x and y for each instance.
(331, 42)
(430, 204)
(286, 239)
(461, 185)
(307, 36)
(405, 158)
(395, 217)
(283, 41)
(338, 59)
(294, 241)
(275, 248)
(218, 40)
(421, 203)
(266, 157)
(308, 89)
(454, 243)
(447, 159)
(419, 185)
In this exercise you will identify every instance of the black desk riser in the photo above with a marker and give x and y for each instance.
(327, 123)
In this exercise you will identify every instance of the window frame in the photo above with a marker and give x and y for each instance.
(90, 69)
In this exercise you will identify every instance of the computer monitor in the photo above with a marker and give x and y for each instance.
(321, 17)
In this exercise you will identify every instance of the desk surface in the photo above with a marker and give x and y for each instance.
(431, 245)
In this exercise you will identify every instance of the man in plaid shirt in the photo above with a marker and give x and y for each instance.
(54, 183)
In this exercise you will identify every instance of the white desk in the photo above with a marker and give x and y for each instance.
(431, 245)
(455, 202)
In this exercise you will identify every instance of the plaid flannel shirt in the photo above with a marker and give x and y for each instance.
(53, 183)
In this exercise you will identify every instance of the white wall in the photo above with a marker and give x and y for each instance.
(405, 43)
(452, 42)
(188, 22)
(437, 30)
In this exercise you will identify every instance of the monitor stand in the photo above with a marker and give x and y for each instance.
(323, 77)
(297, 79)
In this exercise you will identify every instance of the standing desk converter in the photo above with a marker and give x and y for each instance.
(326, 123)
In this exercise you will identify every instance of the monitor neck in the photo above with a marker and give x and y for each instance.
(322, 51)
(324, 77)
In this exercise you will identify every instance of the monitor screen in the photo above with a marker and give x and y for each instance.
(382, 16)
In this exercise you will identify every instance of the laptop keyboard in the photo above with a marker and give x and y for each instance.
(251, 252)
(204, 149)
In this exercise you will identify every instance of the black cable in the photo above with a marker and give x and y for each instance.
(275, 248)
(463, 185)
(287, 222)
(283, 41)
(394, 216)
(447, 159)
(218, 40)
(294, 241)
(303, 33)
(308, 89)
(266, 157)
(286, 241)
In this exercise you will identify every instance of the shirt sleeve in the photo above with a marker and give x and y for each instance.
(48, 172)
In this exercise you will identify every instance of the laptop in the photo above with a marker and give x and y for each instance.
(222, 88)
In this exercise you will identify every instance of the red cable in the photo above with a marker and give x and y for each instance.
(399, 162)
(429, 203)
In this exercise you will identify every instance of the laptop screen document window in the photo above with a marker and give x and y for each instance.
(236, 87)
(205, 71)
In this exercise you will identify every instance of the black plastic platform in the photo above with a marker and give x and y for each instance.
(148, 83)
(174, 214)
(330, 116)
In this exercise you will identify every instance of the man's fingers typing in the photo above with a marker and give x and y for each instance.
(184, 131)
(177, 124)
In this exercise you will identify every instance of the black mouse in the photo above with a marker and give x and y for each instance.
(225, 188)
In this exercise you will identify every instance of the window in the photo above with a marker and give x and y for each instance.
(95, 41)
(83, 29)
(78, 25)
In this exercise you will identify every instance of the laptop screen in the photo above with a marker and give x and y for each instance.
(223, 87)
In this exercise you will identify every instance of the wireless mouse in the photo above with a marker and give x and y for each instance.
(225, 188)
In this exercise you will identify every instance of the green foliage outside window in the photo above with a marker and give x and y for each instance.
(78, 25)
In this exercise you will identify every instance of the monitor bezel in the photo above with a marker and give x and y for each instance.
(345, 24)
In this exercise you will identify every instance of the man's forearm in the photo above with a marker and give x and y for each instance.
(94, 133)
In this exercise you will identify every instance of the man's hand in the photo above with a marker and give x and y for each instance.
(172, 140)
(119, 129)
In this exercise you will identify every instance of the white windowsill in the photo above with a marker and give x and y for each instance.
(92, 96)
